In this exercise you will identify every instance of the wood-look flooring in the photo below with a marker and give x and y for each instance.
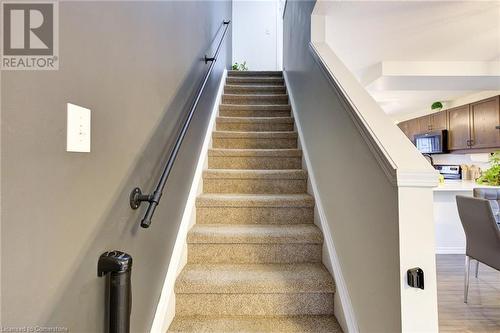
(482, 313)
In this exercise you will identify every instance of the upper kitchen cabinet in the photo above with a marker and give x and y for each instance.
(485, 117)
(474, 126)
(471, 126)
(431, 122)
(439, 121)
(410, 128)
(423, 124)
(458, 128)
(405, 127)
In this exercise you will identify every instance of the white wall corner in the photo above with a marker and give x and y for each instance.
(345, 313)
(165, 310)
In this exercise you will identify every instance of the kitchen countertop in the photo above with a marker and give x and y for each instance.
(460, 185)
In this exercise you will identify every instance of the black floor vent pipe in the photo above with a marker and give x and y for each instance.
(119, 300)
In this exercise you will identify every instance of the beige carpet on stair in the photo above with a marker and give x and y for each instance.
(254, 254)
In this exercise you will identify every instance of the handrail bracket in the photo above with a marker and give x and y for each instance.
(207, 59)
(136, 198)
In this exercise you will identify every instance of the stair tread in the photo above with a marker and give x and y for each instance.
(255, 278)
(242, 89)
(256, 98)
(234, 73)
(255, 80)
(253, 96)
(256, 324)
(225, 119)
(270, 86)
(258, 79)
(246, 89)
(255, 174)
(256, 107)
(243, 134)
(254, 234)
(255, 152)
(254, 90)
(254, 200)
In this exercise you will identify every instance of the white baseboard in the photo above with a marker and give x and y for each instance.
(165, 310)
(450, 250)
(348, 320)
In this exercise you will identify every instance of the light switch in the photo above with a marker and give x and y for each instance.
(78, 129)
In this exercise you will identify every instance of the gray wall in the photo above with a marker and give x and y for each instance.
(359, 201)
(136, 65)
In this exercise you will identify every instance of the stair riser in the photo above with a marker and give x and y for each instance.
(254, 143)
(255, 127)
(255, 324)
(254, 163)
(254, 113)
(254, 215)
(255, 90)
(255, 186)
(255, 100)
(255, 81)
(253, 253)
(254, 304)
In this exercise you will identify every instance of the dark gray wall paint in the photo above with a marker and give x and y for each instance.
(136, 65)
(359, 201)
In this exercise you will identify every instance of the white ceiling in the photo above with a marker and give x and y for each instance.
(421, 38)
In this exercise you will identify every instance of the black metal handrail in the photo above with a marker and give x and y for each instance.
(136, 196)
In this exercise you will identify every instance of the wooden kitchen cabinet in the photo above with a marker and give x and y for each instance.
(424, 124)
(410, 128)
(405, 127)
(439, 121)
(432, 122)
(484, 118)
(458, 128)
(474, 126)
(414, 127)
(471, 126)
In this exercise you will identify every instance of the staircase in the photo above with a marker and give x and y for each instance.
(254, 254)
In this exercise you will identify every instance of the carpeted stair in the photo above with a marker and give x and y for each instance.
(254, 254)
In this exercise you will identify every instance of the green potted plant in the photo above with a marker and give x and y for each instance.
(492, 175)
(240, 67)
(436, 106)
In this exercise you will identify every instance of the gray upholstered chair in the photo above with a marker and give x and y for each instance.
(493, 196)
(481, 231)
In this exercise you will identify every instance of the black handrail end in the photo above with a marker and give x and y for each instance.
(145, 223)
(226, 22)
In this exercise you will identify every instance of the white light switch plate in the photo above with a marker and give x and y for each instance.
(78, 129)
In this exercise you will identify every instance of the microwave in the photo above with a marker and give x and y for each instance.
(432, 142)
